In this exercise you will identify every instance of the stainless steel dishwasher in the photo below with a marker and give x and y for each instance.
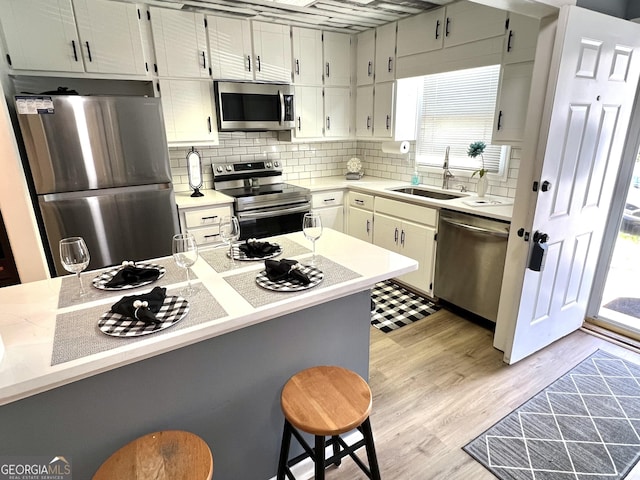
(470, 259)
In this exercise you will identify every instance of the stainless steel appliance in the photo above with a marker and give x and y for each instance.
(264, 205)
(254, 106)
(100, 170)
(470, 262)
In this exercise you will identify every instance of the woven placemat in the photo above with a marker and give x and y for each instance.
(70, 287)
(218, 259)
(77, 334)
(245, 283)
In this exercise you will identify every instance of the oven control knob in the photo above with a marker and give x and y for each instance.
(268, 164)
(276, 164)
(219, 169)
(228, 168)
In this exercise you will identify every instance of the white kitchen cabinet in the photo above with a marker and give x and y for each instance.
(521, 40)
(307, 56)
(188, 110)
(360, 216)
(330, 206)
(512, 102)
(337, 58)
(272, 52)
(230, 50)
(337, 111)
(110, 37)
(364, 111)
(180, 41)
(467, 22)
(421, 33)
(385, 63)
(41, 35)
(410, 230)
(383, 110)
(203, 222)
(309, 111)
(365, 57)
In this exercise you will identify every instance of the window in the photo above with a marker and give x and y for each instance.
(456, 109)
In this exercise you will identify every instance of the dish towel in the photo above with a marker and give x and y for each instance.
(285, 270)
(254, 249)
(141, 307)
(131, 275)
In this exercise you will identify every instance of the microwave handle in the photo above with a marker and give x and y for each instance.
(280, 94)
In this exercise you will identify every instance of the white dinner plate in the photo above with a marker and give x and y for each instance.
(172, 311)
(285, 285)
(100, 282)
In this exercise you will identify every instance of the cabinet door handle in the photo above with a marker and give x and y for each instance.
(329, 200)
(370, 68)
(299, 123)
(395, 236)
(509, 40)
(358, 201)
(212, 217)
(204, 61)
(259, 64)
(390, 64)
(388, 122)
(327, 69)
(249, 63)
(209, 124)
(446, 28)
(437, 29)
(402, 238)
(328, 123)
(368, 122)
(499, 120)
(367, 227)
(297, 67)
(89, 51)
(211, 236)
(75, 53)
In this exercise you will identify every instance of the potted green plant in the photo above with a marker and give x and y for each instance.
(475, 149)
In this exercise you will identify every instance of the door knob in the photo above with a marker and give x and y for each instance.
(546, 186)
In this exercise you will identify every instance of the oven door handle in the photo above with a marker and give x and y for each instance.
(281, 95)
(272, 213)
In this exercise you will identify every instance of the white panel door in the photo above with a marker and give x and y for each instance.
(337, 59)
(180, 40)
(41, 35)
(110, 37)
(230, 48)
(307, 56)
(383, 110)
(337, 111)
(364, 111)
(272, 52)
(582, 140)
(365, 57)
(308, 111)
(386, 53)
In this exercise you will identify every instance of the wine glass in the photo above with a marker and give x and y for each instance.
(75, 257)
(185, 253)
(229, 233)
(312, 229)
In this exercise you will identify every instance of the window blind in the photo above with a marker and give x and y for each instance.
(457, 108)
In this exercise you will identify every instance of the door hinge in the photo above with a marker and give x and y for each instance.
(148, 15)
(155, 67)
(210, 71)
(158, 87)
(506, 24)
(139, 15)
(523, 234)
(431, 286)
(146, 66)
(9, 59)
(435, 237)
(535, 186)
(205, 23)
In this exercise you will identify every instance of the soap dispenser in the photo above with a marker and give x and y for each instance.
(415, 178)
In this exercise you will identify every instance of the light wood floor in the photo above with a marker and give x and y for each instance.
(439, 383)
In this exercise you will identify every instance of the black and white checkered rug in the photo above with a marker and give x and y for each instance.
(394, 306)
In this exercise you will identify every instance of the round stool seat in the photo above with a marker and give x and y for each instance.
(171, 454)
(326, 400)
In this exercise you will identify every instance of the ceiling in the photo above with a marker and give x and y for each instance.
(351, 16)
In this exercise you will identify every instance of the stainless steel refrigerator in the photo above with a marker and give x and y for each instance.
(100, 170)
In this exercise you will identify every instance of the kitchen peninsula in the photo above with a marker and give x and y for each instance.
(217, 373)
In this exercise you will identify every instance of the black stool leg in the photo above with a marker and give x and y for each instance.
(371, 450)
(284, 451)
(336, 450)
(319, 457)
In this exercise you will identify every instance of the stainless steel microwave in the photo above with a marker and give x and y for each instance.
(254, 106)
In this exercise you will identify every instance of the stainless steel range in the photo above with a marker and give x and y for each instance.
(264, 204)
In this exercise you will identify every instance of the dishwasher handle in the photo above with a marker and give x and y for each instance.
(480, 230)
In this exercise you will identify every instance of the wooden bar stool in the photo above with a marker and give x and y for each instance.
(326, 401)
(166, 455)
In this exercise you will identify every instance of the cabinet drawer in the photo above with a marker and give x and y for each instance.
(407, 211)
(205, 216)
(361, 200)
(327, 199)
(206, 235)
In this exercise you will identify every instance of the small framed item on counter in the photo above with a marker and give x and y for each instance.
(194, 169)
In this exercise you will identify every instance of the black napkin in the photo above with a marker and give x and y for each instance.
(131, 275)
(285, 270)
(253, 249)
(132, 306)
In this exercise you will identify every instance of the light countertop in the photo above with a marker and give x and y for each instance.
(28, 315)
(210, 197)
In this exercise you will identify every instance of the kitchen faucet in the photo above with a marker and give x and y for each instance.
(446, 174)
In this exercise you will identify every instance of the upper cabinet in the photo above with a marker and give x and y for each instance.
(421, 33)
(272, 52)
(385, 63)
(110, 37)
(337, 59)
(180, 41)
(468, 22)
(102, 37)
(365, 57)
(522, 38)
(307, 56)
(230, 48)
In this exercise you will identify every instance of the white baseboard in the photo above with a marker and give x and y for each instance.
(305, 469)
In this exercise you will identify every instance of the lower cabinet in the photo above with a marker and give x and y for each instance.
(203, 223)
(330, 206)
(409, 230)
(360, 216)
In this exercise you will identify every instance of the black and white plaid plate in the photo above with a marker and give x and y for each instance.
(172, 311)
(240, 255)
(100, 282)
(315, 277)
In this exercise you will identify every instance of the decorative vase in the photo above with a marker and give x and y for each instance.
(483, 183)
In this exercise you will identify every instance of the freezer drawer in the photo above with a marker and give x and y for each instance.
(132, 223)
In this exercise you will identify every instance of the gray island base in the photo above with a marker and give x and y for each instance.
(225, 389)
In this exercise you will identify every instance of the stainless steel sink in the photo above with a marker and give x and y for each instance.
(426, 193)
